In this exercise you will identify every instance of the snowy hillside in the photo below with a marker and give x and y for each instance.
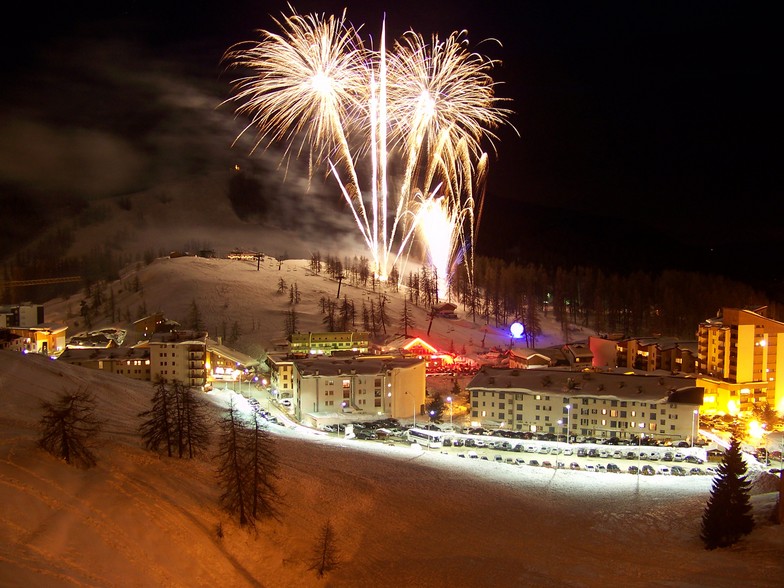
(403, 518)
(226, 291)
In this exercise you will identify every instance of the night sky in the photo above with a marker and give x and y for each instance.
(646, 130)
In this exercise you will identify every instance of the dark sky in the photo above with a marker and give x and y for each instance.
(649, 121)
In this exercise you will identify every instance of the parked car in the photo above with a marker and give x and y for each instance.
(694, 459)
(498, 458)
(679, 456)
(533, 462)
(634, 470)
(590, 468)
(473, 455)
(678, 470)
(631, 455)
(667, 456)
(544, 450)
(568, 451)
(611, 467)
(366, 434)
(530, 449)
(654, 456)
(574, 466)
(547, 464)
(600, 467)
(664, 470)
(582, 452)
(648, 470)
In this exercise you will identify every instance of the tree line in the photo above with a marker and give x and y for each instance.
(641, 303)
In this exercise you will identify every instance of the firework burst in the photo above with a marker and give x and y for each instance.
(315, 87)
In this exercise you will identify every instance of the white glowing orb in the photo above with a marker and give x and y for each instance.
(517, 330)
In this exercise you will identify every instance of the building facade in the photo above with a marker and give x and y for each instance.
(586, 404)
(307, 344)
(393, 387)
(131, 362)
(179, 355)
(740, 353)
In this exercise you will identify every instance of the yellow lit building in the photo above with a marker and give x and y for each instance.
(739, 354)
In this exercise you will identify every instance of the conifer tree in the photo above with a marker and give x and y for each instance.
(325, 556)
(158, 430)
(406, 320)
(247, 468)
(67, 427)
(177, 421)
(192, 423)
(727, 516)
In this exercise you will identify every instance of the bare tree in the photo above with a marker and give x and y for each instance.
(158, 430)
(68, 425)
(247, 469)
(325, 552)
(177, 420)
(192, 422)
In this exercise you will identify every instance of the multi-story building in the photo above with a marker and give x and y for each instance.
(391, 386)
(740, 353)
(179, 355)
(131, 362)
(21, 315)
(227, 364)
(587, 404)
(281, 374)
(651, 354)
(48, 339)
(307, 344)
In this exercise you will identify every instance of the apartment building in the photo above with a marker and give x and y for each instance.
(179, 355)
(131, 362)
(739, 353)
(588, 404)
(390, 386)
(651, 354)
(307, 344)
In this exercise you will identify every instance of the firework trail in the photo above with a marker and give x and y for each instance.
(426, 107)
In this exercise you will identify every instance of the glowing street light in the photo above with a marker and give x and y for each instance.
(693, 418)
(639, 449)
(449, 400)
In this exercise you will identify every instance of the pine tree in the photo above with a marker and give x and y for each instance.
(68, 425)
(193, 422)
(233, 476)
(406, 320)
(325, 553)
(247, 468)
(435, 408)
(159, 427)
(177, 420)
(727, 516)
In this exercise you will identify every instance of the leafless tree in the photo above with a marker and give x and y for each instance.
(68, 425)
(325, 556)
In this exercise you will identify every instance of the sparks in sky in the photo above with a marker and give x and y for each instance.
(422, 108)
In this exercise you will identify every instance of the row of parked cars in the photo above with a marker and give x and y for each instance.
(646, 470)
(580, 451)
(266, 415)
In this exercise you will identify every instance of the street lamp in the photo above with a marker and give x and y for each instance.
(449, 400)
(639, 449)
(693, 418)
(568, 422)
